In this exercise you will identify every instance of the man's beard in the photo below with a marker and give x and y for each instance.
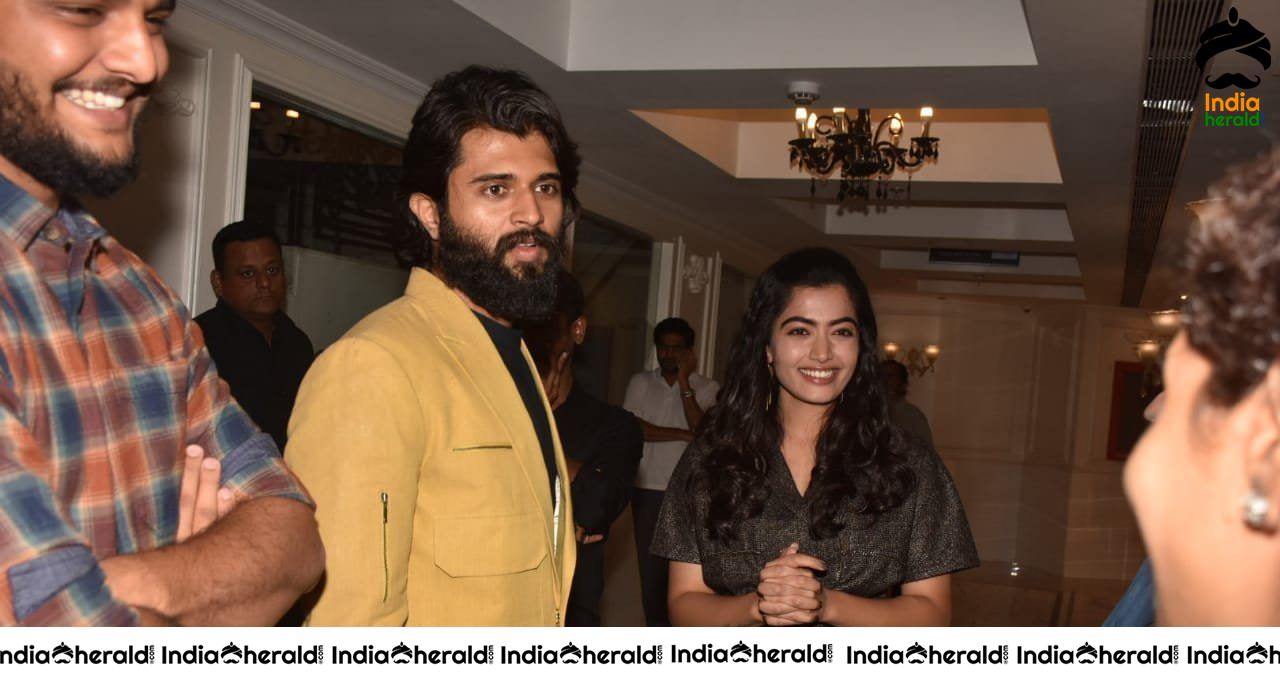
(529, 295)
(38, 147)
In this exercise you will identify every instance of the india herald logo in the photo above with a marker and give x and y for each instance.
(1234, 34)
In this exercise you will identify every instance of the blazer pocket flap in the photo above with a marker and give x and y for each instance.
(471, 546)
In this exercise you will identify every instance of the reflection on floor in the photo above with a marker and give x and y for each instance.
(998, 594)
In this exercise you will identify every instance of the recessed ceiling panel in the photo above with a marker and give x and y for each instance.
(984, 289)
(971, 223)
(677, 35)
(1006, 146)
(1028, 265)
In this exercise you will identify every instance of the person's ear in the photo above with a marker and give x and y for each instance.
(1261, 503)
(215, 280)
(768, 356)
(578, 330)
(427, 212)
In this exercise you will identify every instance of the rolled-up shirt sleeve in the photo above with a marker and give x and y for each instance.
(48, 575)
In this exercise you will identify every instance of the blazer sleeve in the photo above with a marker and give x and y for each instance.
(356, 439)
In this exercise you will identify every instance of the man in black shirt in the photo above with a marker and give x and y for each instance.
(602, 446)
(257, 349)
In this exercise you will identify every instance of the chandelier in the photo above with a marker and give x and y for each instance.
(862, 153)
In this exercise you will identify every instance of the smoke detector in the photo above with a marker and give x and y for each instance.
(803, 92)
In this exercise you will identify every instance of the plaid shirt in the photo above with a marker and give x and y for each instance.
(104, 380)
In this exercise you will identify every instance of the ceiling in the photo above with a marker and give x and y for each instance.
(681, 104)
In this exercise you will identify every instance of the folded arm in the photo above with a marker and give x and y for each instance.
(657, 434)
(246, 569)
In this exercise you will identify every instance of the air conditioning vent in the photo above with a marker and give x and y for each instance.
(1173, 82)
(960, 256)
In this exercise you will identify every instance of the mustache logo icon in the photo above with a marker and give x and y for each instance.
(1240, 80)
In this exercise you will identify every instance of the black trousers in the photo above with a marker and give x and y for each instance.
(653, 570)
(588, 587)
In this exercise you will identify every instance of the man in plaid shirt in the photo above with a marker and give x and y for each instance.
(133, 489)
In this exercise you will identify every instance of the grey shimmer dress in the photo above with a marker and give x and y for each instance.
(926, 536)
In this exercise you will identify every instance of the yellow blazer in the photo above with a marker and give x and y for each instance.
(430, 487)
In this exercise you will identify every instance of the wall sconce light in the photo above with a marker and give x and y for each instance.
(697, 273)
(1150, 350)
(918, 360)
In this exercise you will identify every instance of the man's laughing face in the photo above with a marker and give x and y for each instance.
(74, 77)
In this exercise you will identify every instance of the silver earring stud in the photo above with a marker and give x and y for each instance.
(1257, 511)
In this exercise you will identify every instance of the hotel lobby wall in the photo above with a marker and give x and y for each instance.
(1102, 535)
(976, 401)
(1019, 403)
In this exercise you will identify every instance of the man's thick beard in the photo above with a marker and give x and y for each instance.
(465, 264)
(39, 148)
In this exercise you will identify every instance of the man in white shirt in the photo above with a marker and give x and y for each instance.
(669, 402)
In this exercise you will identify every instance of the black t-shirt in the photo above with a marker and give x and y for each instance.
(507, 342)
(264, 378)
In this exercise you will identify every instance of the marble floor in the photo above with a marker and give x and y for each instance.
(997, 595)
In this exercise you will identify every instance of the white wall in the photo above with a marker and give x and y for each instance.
(975, 399)
(339, 291)
(1020, 405)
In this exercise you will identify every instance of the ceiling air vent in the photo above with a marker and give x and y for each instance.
(1173, 81)
(959, 256)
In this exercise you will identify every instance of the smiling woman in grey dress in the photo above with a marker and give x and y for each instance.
(798, 502)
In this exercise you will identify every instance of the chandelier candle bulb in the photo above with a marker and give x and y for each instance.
(932, 351)
(895, 124)
(926, 114)
(1166, 322)
(891, 349)
(838, 114)
(810, 127)
(1148, 350)
(801, 116)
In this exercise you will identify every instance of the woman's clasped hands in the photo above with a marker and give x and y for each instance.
(789, 592)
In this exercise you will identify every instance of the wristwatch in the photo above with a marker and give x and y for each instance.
(686, 394)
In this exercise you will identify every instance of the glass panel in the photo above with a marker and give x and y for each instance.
(735, 291)
(612, 264)
(327, 185)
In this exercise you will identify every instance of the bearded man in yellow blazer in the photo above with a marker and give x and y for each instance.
(424, 434)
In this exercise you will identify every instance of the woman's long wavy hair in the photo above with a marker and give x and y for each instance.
(859, 464)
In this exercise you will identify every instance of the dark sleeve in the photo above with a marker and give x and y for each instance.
(940, 539)
(676, 535)
(209, 332)
(310, 348)
(603, 486)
